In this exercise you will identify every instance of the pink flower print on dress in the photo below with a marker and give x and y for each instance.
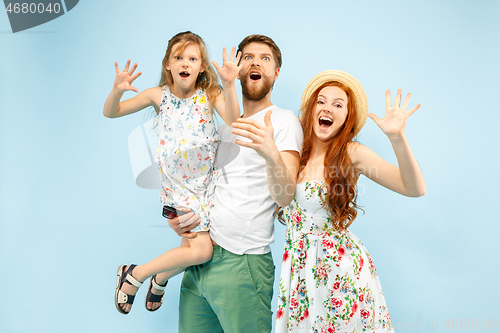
(337, 302)
(162, 142)
(194, 169)
(364, 313)
(354, 309)
(322, 272)
(286, 255)
(180, 164)
(373, 271)
(197, 110)
(328, 244)
(328, 327)
(297, 219)
(279, 314)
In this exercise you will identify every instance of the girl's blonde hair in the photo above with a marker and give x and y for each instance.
(206, 80)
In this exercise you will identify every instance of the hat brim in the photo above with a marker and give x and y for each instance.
(360, 98)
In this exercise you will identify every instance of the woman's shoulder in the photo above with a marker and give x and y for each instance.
(355, 151)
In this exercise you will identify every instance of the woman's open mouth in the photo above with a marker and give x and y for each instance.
(325, 123)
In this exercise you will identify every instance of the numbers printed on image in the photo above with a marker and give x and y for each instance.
(33, 8)
(471, 324)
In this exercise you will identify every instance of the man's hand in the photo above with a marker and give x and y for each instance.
(262, 136)
(184, 221)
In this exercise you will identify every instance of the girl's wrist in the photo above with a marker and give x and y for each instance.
(117, 91)
(227, 85)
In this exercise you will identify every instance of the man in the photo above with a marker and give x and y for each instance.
(258, 160)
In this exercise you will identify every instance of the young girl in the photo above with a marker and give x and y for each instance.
(184, 100)
(328, 280)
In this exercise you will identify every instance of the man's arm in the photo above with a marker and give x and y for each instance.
(282, 176)
(282, 167)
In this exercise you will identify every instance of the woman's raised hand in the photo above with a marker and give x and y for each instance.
(230, 69)
(124, 79)
(395, 118)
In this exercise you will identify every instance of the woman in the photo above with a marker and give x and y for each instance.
(328, 280)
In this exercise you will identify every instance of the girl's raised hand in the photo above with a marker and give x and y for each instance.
(124, 79)
(230, 69)
(395, 118)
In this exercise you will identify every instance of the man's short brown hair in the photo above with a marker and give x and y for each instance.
(265, 40)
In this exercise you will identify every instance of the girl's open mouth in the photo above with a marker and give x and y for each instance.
(184, 74)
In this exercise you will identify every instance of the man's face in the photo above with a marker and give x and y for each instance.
(258, 71)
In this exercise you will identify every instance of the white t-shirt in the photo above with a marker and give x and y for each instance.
(241, 220)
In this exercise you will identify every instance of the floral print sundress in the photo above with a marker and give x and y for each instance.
(186, 153)
(328, 281)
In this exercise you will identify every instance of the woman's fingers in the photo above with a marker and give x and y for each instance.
(388, 102)
(397, 102)
(374, 118)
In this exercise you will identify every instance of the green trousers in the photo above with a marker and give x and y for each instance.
(230, 293)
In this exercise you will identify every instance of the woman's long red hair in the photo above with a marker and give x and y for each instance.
(340, 177)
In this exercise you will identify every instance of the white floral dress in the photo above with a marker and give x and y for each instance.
(186, 153)
(328, 280)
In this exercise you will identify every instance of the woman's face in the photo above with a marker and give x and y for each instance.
(329, 113)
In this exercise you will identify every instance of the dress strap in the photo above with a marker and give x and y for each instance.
(164, 94)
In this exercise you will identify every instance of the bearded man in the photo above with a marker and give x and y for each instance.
(258, 160)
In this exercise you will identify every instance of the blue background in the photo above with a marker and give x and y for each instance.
(71, 213)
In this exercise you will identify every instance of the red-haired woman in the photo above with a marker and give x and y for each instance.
(328, 280)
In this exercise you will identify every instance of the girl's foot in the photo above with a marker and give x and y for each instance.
(155, 304)
(128, 289)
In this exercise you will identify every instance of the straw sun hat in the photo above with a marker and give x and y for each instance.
(360, 99)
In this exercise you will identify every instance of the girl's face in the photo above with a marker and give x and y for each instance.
(185, 67)
(330, 112)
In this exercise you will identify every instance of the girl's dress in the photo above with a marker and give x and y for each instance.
(328, 280)
(186, 153)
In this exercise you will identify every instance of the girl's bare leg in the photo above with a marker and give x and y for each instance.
(191, 252)
(162, 278)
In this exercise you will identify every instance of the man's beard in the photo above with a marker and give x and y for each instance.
(256, 94)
